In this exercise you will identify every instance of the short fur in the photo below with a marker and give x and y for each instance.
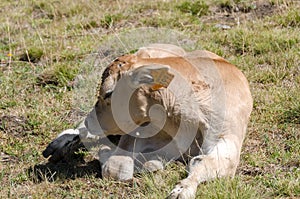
(222, 128)
(214, 104)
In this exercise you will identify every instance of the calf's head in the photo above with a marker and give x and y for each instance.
(122, 104)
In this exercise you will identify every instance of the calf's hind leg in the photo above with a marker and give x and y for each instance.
(221, 161)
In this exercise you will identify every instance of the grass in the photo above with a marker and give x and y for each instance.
(44, 46)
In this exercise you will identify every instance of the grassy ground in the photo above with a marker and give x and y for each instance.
(44, 43)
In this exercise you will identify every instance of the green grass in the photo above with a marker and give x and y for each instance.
(45, 44)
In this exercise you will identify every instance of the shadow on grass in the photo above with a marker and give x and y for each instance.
(64, 170)
(71, 165)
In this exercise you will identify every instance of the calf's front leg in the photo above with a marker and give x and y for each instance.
(221, 161)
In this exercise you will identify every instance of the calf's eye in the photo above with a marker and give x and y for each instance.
(120, 65)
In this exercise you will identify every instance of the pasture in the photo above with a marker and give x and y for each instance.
(45, 44)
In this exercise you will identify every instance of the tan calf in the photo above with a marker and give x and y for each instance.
(168, 104)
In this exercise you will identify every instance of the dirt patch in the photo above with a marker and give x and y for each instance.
(249, 170)
(234, 14)
(16, 125)
(45, 79)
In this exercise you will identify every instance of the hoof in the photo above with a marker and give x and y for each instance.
(119, 168)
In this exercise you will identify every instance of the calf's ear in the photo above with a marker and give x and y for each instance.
(154, 75)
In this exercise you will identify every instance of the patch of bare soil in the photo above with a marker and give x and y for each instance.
(236, 14)
(15, 125)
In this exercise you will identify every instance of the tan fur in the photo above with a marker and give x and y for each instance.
(224, 104)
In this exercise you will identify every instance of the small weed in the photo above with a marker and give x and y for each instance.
(32, 55)
(237, 5)
(195, 8)
(7, 104)
(110, 19)
(289, 19)
(60, 76)
(92, 24)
